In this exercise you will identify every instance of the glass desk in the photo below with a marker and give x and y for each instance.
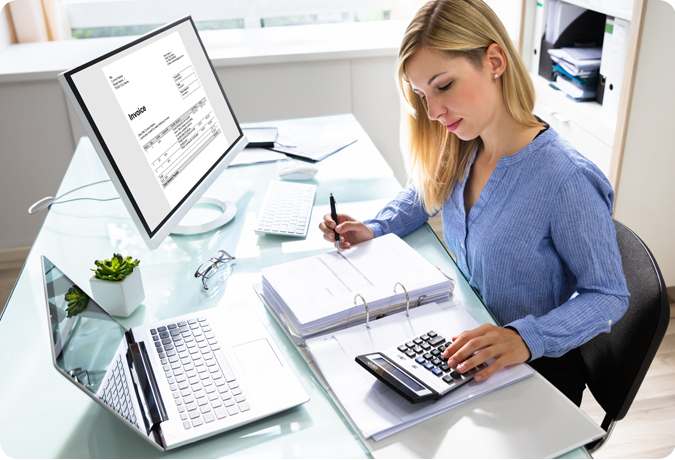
(43, 415)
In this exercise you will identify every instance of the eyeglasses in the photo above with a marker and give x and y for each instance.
(211, 266)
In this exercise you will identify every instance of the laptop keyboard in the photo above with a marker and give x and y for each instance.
(203, 386)
(115, 393)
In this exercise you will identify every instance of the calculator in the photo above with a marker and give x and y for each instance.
(416, 370)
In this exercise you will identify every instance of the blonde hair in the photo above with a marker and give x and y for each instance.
(455, 28)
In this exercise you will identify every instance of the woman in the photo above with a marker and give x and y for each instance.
(528, 217)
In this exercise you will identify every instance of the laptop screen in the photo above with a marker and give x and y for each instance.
(85, 337)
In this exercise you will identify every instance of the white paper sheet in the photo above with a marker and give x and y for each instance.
(377, 410)
(255, 155)
(316, 289)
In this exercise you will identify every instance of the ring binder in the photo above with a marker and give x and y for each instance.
(419, 300)
(365, 305)
(407, 299)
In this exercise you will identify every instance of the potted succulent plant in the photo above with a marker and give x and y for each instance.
(117, 285)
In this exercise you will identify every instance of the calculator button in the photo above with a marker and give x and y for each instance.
(153, 331)
(420, 360)
(435, 352)
(437, 372)
(418, 350)
(182, 323)
(426, 346)
(448, 379)
(172, 326)
(410, 354)
(425, 337)
(161, 329)
(428, 356)
(220, 412)
(417, 341)
(455, 375)
(410, 345)
(442, 348)
(445, 368)
(428, 365)
(436, 362)
(436, 341)
(431, 334)
(402, 348)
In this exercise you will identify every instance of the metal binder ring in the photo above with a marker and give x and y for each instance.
(420, 300)
(407, 299)
(365, 305)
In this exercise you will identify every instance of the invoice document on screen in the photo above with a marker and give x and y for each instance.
(169, 113)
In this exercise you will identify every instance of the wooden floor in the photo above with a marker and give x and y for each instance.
(648, 431)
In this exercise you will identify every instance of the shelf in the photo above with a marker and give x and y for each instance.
(590, 115)
(604, 8)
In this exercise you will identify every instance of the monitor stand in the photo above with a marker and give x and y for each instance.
(229, 210)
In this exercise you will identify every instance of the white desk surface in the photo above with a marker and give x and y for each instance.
(45, 416)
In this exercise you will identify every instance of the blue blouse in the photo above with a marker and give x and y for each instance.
(541, 230)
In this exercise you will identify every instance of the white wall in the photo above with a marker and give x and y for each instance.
(646, 193)
(39, 131)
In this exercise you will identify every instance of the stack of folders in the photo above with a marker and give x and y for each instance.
(335, 290)
(576, 72)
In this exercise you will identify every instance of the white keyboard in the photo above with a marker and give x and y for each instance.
(286, 209)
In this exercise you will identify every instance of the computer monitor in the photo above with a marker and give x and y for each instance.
(160, 122)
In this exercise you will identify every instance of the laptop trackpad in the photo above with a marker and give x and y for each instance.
(257, 357)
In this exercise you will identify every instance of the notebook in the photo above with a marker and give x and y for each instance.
(175, 381)
(335, 290)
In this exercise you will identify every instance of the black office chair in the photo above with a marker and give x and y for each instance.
(616, 363)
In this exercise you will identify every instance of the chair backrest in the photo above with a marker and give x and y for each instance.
(617, 362)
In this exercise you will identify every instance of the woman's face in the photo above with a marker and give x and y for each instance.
(461, 97)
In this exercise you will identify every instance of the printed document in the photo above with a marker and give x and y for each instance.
(320, 289)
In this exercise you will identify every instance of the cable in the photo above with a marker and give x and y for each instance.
(48, 201)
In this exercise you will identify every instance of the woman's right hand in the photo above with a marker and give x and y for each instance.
(351, 231)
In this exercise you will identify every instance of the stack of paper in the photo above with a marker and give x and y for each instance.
(309, 142)
(580, 62)
(576, 71)
(375, 409)
(316, 295)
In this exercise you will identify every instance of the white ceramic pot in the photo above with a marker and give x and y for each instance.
(119, 298)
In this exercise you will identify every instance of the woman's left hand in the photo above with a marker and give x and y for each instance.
(504, 345)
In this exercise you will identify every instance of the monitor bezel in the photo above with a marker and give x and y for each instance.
(152, 237)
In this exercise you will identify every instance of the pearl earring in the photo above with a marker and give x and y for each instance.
(496, 75)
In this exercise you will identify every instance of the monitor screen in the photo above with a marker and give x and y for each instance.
(160, 119)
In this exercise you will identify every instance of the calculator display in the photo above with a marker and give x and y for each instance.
(387, 366)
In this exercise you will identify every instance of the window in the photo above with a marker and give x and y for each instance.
(105, 18)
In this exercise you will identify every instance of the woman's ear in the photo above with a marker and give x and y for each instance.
(495, 60)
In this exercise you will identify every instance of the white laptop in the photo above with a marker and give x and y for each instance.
(174, 381)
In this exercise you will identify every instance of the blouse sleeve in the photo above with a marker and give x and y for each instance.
(584, 236)
(400, 216)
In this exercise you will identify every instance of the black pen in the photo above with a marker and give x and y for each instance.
(333, 214)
